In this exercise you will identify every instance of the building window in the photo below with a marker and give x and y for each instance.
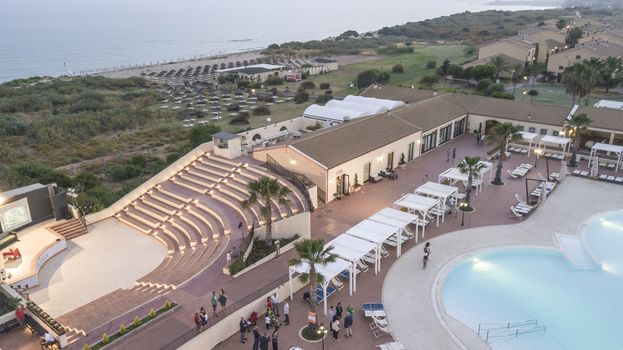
(429, 142)
(555, 133)
(577, 57)
(531, 129)
(520, 127)
(561, 67)
(410, 151)
(445, 134)
(543, 131)
(459, 127)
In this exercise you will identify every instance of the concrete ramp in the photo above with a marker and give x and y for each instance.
(576, 253)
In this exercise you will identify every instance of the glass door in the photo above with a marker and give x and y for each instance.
(366, 172)
(390, 161)
(410, 152)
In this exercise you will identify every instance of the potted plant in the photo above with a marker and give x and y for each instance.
(402, 162)
(357, 185)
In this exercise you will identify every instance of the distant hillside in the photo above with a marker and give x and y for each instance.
(473, 27)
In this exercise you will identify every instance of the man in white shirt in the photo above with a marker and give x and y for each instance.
(229, 258)
(275, 300)
(286, 312)
(48, 338)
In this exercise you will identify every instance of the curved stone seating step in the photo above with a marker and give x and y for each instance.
(166, 265)
(166, 229)
(210, 170)
(223, 226)
(224, 161)
(201, 229)
(188, 185)
(184, 197)
(151, 211)
(197, 181)
(203, 174)
(248, 215)
(168, 242)
(165, 198)
(130, 221)
(142, 217)
(198, 178)
(184, 233)
(202, 259)
(182, 267)
(218, 163)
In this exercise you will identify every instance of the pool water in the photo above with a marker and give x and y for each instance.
(582, 309)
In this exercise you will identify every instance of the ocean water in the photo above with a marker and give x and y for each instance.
(582, 309)
(54, 37)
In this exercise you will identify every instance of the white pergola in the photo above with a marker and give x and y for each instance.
(606, 147)
(375, 232)
(441, 192)
(417, 204)
(563, 142)
(454, 175)
(329, 271)
(353, 249)
(527, 137)
(397, 218)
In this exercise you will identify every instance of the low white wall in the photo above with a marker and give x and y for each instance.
(229, 325)
(163, 175)
(313, 195)
(53, 249)
(297, 224)
(268, 257)
(269, 130)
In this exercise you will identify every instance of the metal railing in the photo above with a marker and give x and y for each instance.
(300, 181)
(186, 337)
(507, 329)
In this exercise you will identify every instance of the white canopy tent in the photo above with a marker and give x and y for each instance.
(606, 147)
(443, 193)
(375, 232)
(396, 217)
(330, 114)
(527, 137)
(329, 271)
(453, 175)
(389, 104)
(353, 106)
(563, 142)
(353, 249)
(418, 204)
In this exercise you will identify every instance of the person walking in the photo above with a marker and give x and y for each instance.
(275, 339)
(203, 315)
(267, 321)
(331, 314)
(286, 312)
(448, 154)
(243, 329)
(214, 302)
(275, 300)
(229, 258)
(20, 314)
(350, 309)
(335, 327)
(197, 322)
(222, 299)
(426, 254)
(348, 324)
(264, 342)
(256, 337)
(454, 153)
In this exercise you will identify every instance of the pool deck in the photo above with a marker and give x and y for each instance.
(421, 323)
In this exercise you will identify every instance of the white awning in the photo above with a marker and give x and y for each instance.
(416, 203)
(557, 140)
(454, 175)
(528, 136)
(606, 147)
(442, 193)
(374, 231)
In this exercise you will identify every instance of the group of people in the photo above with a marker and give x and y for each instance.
(335, 316)
(201, 318)
(450, 153)
(271, 321)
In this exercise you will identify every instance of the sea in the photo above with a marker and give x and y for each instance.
(69, 37)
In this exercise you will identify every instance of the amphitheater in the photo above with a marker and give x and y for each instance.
(191, 208)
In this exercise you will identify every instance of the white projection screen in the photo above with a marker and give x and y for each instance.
(15, 215)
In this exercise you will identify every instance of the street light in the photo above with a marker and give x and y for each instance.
(538, 153)
(463, 206)
(322, 332)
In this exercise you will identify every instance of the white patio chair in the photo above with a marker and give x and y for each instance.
(516, 214)
(381, 331)
(337, 283)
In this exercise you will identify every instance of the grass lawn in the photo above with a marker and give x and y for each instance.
(556, 94)
(414, 67)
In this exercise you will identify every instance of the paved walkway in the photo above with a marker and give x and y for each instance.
(412, 295)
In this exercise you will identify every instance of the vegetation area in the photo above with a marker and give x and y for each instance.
(8, 304)
(259, 251)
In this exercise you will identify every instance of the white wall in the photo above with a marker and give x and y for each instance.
(288, 227)
(268, 130)
(474, 120)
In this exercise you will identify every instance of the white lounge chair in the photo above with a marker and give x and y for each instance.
(516, 214)
(337, 283)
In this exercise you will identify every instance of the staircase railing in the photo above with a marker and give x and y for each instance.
(507, 329)
(300, 181)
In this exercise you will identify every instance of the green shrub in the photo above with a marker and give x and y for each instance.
(493, 89)
(431, 64)
(236, 266)
(239, 120)
(324, 86)
(307, 85)
(367, 78)
(429, 80)
(383, 78)
(301, 97)
(122, 329)
(398, 68)
(86, 347)
(199, 134)
(314, 127)
(105, 339)
(261, 110)
(168, 304)
(273, 80)
(152, 313)
(483, 85)
(137, 321)
(243, 84)
(504, 95)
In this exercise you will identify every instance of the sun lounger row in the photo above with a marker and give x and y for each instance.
(611, 178)
(554, 156)
(518, 150)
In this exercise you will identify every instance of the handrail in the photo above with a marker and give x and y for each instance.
(190, 334)
(505, 325)
(513, 332)
(300, 181)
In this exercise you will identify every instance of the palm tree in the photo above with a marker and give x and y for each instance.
(261, 193)
(472, 167)
(578, 81)
(517, 75)
(500, 64)
(534, 70)
(501, 134)
(313, 253)
(578, 123)
(613, 67)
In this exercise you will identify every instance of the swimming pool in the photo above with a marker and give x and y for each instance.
(582, 309)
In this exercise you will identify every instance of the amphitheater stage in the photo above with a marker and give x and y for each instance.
(111, 256)
(37, 245)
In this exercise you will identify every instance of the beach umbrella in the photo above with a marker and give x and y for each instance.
(594, 167)
(543, 195)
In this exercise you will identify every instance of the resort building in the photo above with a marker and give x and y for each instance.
(518, 48)
(256, 72)
(596, 48)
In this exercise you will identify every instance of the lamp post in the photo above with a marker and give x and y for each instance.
(538, 153)
(463, 206)
(322, 331)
